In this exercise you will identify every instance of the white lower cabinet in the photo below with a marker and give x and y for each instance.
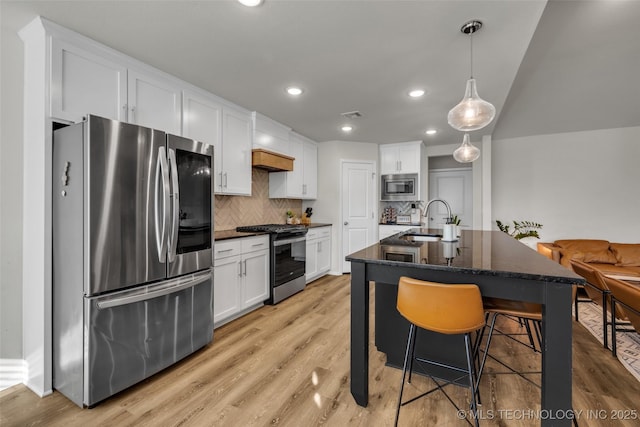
(240, 277)
(318, 260)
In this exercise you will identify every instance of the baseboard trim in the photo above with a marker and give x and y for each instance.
(12, 372)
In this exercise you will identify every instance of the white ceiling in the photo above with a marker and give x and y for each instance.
(572, 66)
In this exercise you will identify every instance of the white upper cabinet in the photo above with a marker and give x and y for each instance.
(302, 182)
(270, 135)
(400, 158)
(90, 78)
(83, 82)
(202, 118)
(154, 102)
(310, 171)
(233, 160)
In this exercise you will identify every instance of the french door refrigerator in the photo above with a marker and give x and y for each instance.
(132, 255)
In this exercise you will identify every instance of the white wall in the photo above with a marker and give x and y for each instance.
(576, 184)
(326, 208)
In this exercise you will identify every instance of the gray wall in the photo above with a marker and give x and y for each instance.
(11, 157)
(576, 184)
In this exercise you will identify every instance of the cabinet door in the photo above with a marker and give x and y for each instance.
(82, 82)
(311, 263)
(324, 255)
(389, 159)
(310, 171)
(154, 102)
(409, 158)
(226, 288)
(236, 152)
(270, 135)
(202, 121)
(295, 178)
(256, 278)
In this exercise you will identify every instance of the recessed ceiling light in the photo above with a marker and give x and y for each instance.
(431, 132)
(416, 93)
(251, 3)
(293, 90)
(347, 128)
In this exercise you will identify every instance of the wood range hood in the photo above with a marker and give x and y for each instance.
(273, 162)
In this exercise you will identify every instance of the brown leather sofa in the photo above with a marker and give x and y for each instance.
(610, 258)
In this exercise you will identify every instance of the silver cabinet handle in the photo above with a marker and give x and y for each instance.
(175, 194)
(346, 223)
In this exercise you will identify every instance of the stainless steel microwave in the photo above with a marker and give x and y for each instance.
(400, 187)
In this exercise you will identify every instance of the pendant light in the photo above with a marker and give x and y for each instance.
(473, 112)
(467, 152)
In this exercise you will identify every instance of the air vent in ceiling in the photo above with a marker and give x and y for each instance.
(352, 115)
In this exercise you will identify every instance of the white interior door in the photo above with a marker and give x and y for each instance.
(359, 189)
(456, 187)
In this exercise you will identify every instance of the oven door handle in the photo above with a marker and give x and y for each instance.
(288, 241)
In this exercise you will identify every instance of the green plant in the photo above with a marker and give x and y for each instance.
(521, 229)
(289, 214)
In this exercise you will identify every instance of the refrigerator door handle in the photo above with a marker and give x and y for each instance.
(175, 194)
(144, 294)
(162, 172)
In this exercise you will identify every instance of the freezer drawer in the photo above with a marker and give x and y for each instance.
(135, 335)
(132, 338)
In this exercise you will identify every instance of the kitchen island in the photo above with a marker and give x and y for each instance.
(501, 266)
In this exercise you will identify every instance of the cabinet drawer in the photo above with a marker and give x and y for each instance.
(258, 243)
(227, 248)
(320, 232)
(324, 232)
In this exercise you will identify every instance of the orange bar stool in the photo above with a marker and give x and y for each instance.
(452, 309)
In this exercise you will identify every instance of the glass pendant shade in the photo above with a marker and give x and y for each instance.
(467, 152)
(473, 112)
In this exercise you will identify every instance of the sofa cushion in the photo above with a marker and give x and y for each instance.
(586, 250)
(627, 254)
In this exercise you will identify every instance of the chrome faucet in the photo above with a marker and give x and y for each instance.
(426, 210)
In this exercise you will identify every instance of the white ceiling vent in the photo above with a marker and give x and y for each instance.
(352, 115)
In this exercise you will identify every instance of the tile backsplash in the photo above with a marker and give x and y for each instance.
(233, 211)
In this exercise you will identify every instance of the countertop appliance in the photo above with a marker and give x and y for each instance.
(400, 187)
(288, 251)
(132, 255)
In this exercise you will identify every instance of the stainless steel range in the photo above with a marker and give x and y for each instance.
(288, 250)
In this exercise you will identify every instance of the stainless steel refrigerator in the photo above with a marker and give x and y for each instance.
(132, 255)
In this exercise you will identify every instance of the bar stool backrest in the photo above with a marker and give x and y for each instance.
(595, 278)
(439, 307)
(627, 294)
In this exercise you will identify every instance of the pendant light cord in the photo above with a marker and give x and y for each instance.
(471, 51)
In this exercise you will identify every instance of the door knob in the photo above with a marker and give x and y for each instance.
(346, 223)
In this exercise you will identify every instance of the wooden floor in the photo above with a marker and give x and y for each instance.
(289, 365)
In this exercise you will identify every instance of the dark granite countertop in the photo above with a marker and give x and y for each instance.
(318, 224)
(233, 234)
(476, 252)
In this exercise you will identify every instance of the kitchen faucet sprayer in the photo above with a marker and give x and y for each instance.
(449, 216)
